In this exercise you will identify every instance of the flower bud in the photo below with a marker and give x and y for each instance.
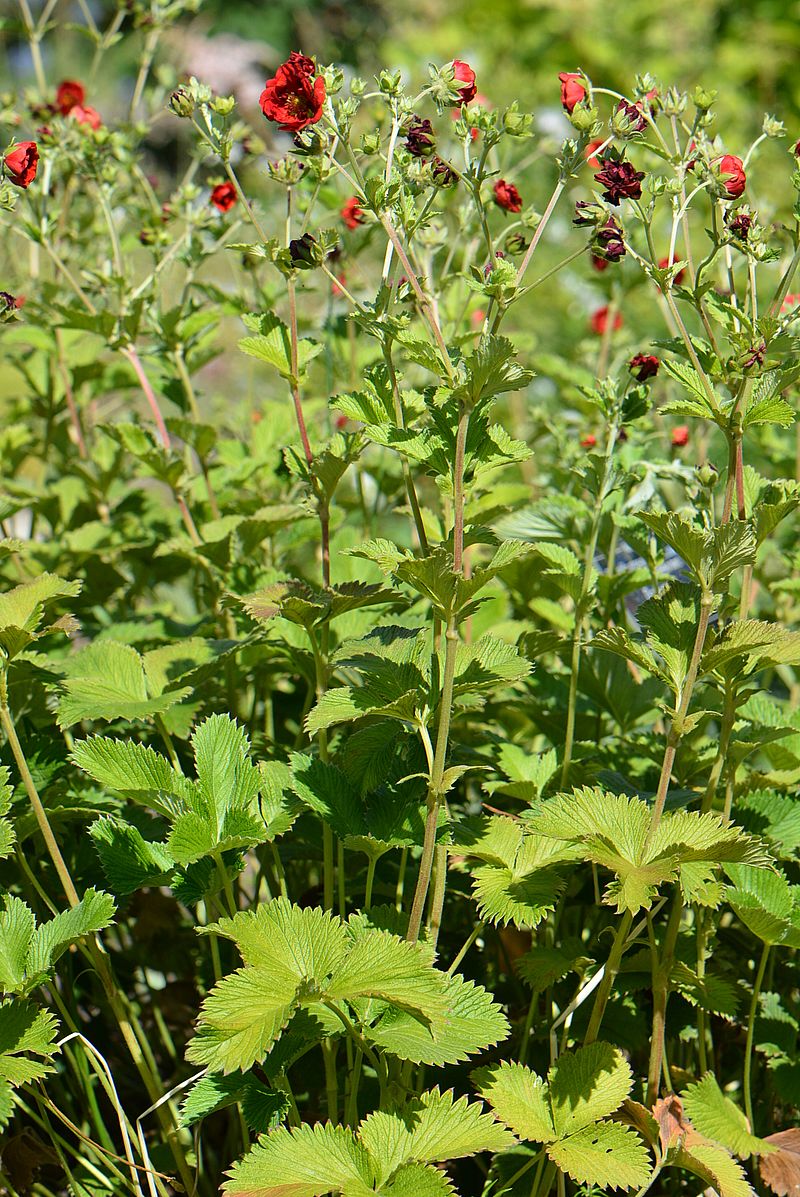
(181, 102)
(304, 252)
(443, 174)
(223, 105)
(285, 170)
(516, 244)
(703, 98)
(628, 120)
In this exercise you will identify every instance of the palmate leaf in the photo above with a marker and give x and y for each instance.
(568, 1112)
(272, 344)
(613, 829)
(218, 812)
(388, 1156)
(128, 860)
(523, 874)
(299, 957)
(263, 1109)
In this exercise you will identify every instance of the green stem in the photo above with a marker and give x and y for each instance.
(473, 935)
(662, 968)
(751, 1026)
(609, 976)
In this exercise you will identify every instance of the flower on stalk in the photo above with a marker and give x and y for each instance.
(420, 138)
(608, 242)
(643, 366)
(589, 441)
(620, 180)
(599, 321)
(464, 74)
(294, 98)
(304, 252)
(739, 225)
(352, 213)
(732, 176)
(628, 119)
(680, 436)
(69, 94)
(85, 116)
(573, 91)
(600, 264)
(443, 173)
(223, 197)
(588, 213)
(21, 163)
(507, 197)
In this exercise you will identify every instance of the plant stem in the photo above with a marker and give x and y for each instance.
(662, 968)
(751, 1026)
(609, 977)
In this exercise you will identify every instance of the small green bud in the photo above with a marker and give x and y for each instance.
(223, 105)
(181, 103)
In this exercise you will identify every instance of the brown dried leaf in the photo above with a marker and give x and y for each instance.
(780, 1170)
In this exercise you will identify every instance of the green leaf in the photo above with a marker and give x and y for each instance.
(22, 611)
(431, 1130)
(472, 1022)
(23, 1029)
(134, 771)
(605, 1155)
(714, 1166)
(263, 1108)
(272, 344)
(29, 952)
(107, 681)
(520, 1099)
(716, 1117)
(306, 1161)
(128, 860)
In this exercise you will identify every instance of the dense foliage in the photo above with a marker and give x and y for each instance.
(398, 639)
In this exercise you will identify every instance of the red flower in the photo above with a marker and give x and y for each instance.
(589, 154)
(680, 436)
(85, 116)
(223, 197)
(679, 277)
(9, 302)
(620, 181)
(335, 288)
(796, 150)
(644, 366)
(600, 264)
(69, 94)
(790, 301)
(599, 321)
(340, 423)
(465, 75)
(352, 213)
(507, 197)
(21, 163)
(731, 171)
(294, 98)
(572, 90)
(478, 317)
(589, 441)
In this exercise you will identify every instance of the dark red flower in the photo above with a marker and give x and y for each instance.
(507, 197)
(21, 163)
(85, 116)
(608, 241)
(796, 150)
(9, 302)
(600, 264)
(223, 197)
(679, 277)
(589, 153)
(599, 321)
(740, 224)
(443, 173)
(572, 90)
(420, 138)
(69, 94)
(680, 436)
(634, 120)
(620, 181)
(731, 171)
(352, 213)
(643, 366)
(294, 98)
(465, 75)
(589, 442)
